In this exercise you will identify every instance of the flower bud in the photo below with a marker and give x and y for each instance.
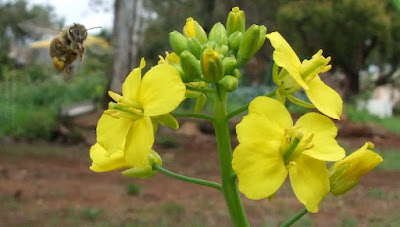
(146, 171)
(200, 102)
(252, 41)
(218, 34)
(346, 173)
(178, 42)
(234, 40)
(230, 65)
(190, 66)
(194, 47)
(193, 29)
(223, 49)
(236, 21)
(230, 83)
(212, 65)
(236, 73)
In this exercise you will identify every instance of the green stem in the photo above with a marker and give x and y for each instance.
(245, 107)
(229, 187)
(293, 219)
(204, 90)
(194, 115)
(187, 179)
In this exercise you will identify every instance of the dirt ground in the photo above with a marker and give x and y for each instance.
(50, 184)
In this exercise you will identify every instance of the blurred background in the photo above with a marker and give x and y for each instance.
(47, 124)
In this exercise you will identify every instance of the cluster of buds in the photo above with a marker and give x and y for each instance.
(216, 58)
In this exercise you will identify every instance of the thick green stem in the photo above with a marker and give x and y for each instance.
(293, 219)
(187, 179)
(229, 187)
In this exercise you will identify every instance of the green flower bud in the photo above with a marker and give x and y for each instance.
(237, 74)
(236, 21)
(194, 47)
(178, 42)
(200, 103)
(230, 83)
(223, 50)
(218, 34)
(190, 66)
(234, 41)
(167, 120)
(193, 29)
(230, 65)
(146, 171)
(250, 43)
(212, 65)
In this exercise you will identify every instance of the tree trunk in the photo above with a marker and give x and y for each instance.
(351, 85)
(126, 38)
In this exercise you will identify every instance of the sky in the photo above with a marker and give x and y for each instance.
(80, 11)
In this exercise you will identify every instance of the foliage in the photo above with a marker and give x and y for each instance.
(390, 123)
(353, 32)
(133, 189)
(33, 98)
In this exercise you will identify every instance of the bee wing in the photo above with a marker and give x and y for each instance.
(97, 45)
(37, 31)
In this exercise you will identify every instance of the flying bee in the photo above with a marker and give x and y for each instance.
(67, 46)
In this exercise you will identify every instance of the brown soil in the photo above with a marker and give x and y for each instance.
(50, 184)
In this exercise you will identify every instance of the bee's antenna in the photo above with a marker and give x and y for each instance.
(93, 28)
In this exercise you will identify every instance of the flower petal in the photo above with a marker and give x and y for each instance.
(162, 90)
(103, 162)
(285, 57)
(271, 109)
(256, 128)
(310, 181)
(324, 98)
(139, 142)
(130, 87)
(325, 146)
(111, 132)
(260, 169)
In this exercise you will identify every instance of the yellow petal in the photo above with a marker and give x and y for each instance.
(346, 173)
(310, 181)
(260, 169)
(271, 109)
(111, 132)
(161, 91)
(103, 162)
(130, 88)
(324, 130)
(324, 98)
(285, 57)
(257, 128)
(139, 142)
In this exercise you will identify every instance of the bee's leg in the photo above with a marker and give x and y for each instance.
(67, 72)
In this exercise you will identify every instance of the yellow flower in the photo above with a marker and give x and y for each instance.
(346, 173)
(270, 148)
(126, 128)
(296, 75)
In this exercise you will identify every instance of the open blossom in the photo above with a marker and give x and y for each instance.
(296, 75)
(125, 133)
(271, 147)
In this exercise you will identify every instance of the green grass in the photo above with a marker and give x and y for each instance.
(390, 123)
(133, 189)
(391, 160)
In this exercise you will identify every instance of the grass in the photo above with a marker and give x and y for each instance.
(391, 160)
(133, 189)
(390, 123)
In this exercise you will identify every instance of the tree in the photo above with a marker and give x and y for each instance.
(353, 32)
(126, 38)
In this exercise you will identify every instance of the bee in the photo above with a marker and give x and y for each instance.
(67, 46)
